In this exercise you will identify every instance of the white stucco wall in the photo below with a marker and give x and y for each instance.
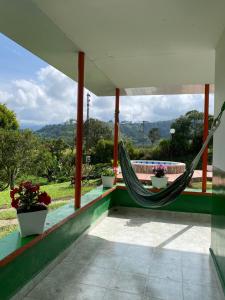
(219, 139)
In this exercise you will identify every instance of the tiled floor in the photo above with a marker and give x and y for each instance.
(137, 254)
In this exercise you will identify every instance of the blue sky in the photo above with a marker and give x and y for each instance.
(16, 62)
(39, 94)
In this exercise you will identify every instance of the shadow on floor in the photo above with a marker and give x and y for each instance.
(154, 259)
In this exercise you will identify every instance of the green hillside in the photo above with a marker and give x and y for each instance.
(65, 131)
(137, 132)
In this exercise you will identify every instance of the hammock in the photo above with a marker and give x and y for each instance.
(149, 199)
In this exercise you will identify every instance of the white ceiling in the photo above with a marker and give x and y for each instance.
(128, 43)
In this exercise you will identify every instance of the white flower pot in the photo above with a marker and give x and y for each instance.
(108, 181)
(32, 222)
(159, 182)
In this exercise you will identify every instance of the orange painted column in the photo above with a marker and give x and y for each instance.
(205, 134)
(116, 131)
(79, 137)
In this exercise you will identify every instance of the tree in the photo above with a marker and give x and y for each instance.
(55, 160)
(17, 150)
(196, 128)
(96, 130)
(154, 135)
(8, 119)
(180, 142)
(188, 136)
(103, 152)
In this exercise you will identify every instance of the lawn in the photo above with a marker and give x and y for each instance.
(55, 190)
(59, 192)
(198, 185)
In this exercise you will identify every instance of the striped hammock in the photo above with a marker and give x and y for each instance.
(149, 199)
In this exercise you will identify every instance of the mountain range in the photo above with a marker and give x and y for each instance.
(136, 131)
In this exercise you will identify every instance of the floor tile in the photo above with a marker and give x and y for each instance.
(116, 295)
(138, 251)
(164, 289)
(128, 282)
(66, 272)
(114, 249)
(134, 265)
(48, 289)
(197, 292)
(165, 271)
(197, 260)
(83, 292)
(199, 275)
(96, 276)
(106, 261)
(84, 256)
(167, 256)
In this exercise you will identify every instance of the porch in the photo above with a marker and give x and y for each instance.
(130, 48)
(135, 254)
(134, 243)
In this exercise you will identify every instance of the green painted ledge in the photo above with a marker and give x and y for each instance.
(13, 241)
(39, 251)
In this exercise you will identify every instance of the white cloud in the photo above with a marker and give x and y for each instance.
(51, 98)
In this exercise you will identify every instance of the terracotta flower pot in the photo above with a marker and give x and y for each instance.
(32, 222)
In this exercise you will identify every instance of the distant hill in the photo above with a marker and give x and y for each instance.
(32, 127)
(65, 131)
(137, 132)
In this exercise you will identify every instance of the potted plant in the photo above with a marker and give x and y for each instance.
(31, 205)
(108, 177)
(159, 180)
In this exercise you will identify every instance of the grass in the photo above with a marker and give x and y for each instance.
(198, 185)
(7, 229)
(57, 204)
(7, 214)
(55, 190)
(34, 179)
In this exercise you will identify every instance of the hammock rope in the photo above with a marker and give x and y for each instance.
(146, 198)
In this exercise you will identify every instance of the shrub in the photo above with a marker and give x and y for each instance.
(103, 152)
(108, 172)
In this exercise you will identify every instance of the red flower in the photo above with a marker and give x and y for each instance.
(47, 200)
(15, 203)
(28, 194)
(44, 198)
(34, 188)
(27, 184)
(13, 192)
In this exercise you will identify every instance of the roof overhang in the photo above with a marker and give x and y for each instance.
(169, 90)
(128, 44)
